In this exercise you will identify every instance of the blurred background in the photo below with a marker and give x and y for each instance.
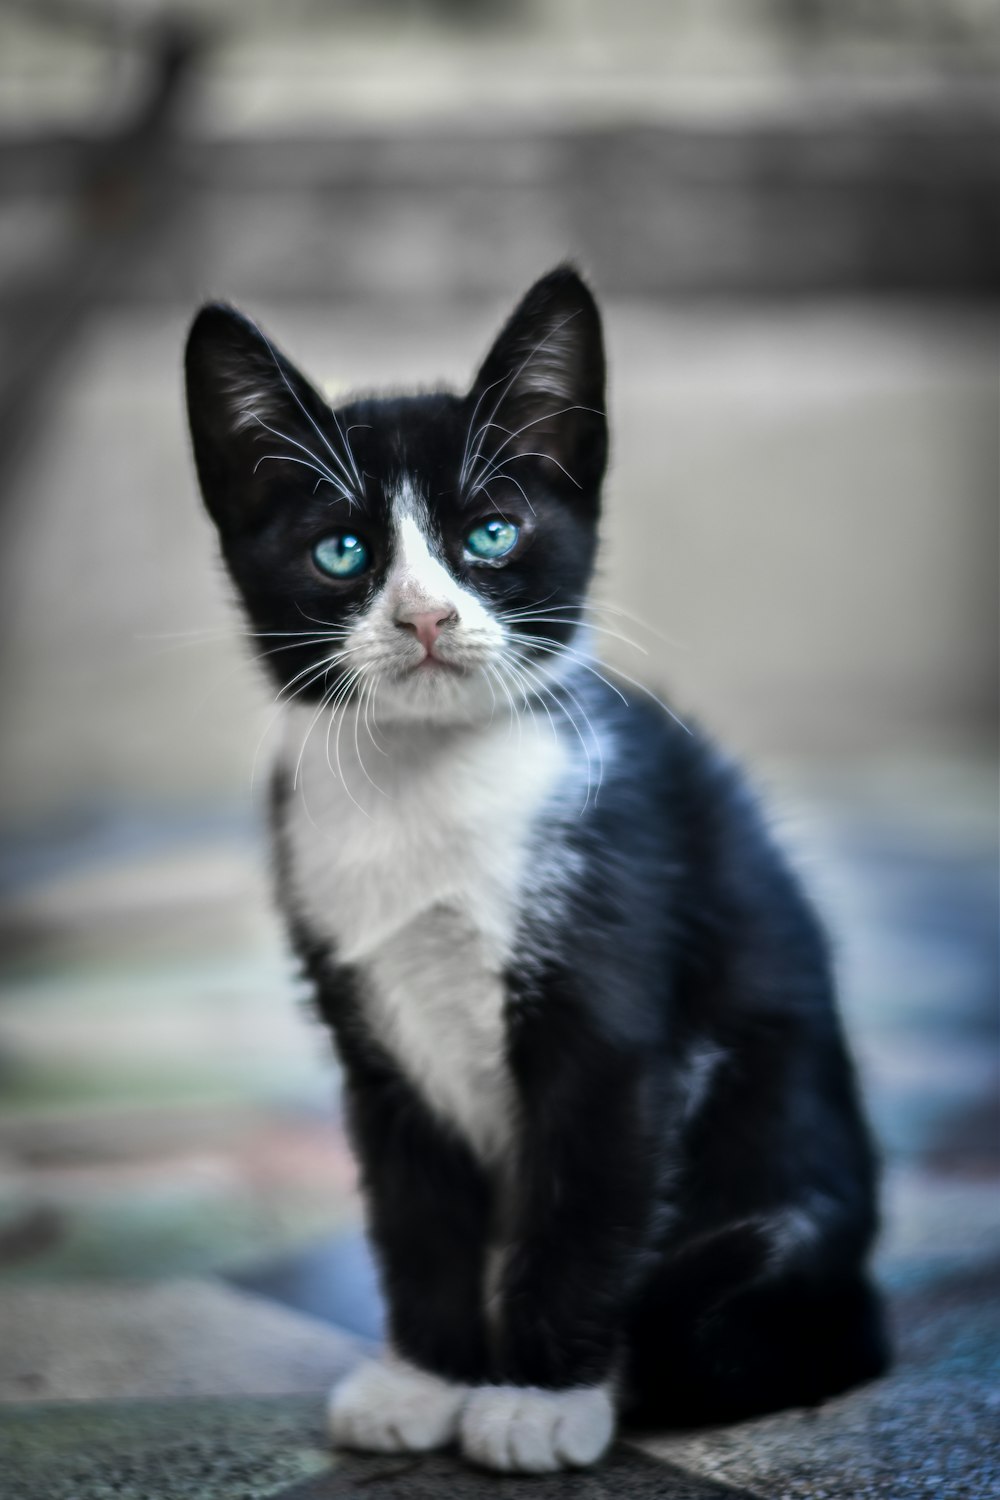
(790, 211)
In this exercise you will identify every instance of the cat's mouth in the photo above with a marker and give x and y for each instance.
(433, 664)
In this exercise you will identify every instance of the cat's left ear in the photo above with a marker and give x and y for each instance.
(540, 391)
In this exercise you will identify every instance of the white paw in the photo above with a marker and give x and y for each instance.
(530, 1431)
(389, 1406)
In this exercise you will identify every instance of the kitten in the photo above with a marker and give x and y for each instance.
(612, 1154)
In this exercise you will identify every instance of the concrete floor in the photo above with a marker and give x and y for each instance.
(169, 1128)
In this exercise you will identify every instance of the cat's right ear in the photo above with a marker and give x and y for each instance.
(539, 393)
(251, 415)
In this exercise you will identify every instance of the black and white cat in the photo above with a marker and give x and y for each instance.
(612, 1155)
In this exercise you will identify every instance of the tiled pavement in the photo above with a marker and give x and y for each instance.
(169, 1139)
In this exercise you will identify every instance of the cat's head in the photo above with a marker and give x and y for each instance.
(431, 552)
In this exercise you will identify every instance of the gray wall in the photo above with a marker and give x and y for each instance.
(803, 501)
(798, 261)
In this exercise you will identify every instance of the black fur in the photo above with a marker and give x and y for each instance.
(710, 1250)
(270, 507)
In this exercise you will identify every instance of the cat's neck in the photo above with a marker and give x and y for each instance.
(352, 764)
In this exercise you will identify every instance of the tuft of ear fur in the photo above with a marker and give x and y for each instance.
(539, 393)
(250, 412)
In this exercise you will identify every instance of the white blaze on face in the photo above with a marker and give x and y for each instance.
(420, 583)
(417, 581)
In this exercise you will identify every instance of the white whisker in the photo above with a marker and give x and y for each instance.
(617, 635)
(550, 691)
(557, 648)
(496, 462)
(542, 344)
(466, 458)
(357, 747)
(280, 704)
(287, 458)
(482, 488)
(340, 688)
(302, 408)
(498, 676)
(372, 726)
(340, 771)
(317, 463)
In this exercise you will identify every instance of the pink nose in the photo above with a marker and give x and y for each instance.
(426, 624)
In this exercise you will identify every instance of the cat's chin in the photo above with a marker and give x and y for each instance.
(443, 693)
(434, 665)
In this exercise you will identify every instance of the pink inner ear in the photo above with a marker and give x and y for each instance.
(543, 427)
(550, 365)
(252, 406)
(533, 417)
(540, 390)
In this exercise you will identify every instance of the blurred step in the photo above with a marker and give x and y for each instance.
(89, 1341)
(900, 195)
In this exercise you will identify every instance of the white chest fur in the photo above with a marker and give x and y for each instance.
(419, 881)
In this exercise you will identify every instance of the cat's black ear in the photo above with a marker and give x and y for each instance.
(256, 423)
(540, 390)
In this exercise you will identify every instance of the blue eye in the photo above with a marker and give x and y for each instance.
(341, 555)
(491, 540)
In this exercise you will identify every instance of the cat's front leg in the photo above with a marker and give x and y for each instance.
(427, 1206)
(580, 1226)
